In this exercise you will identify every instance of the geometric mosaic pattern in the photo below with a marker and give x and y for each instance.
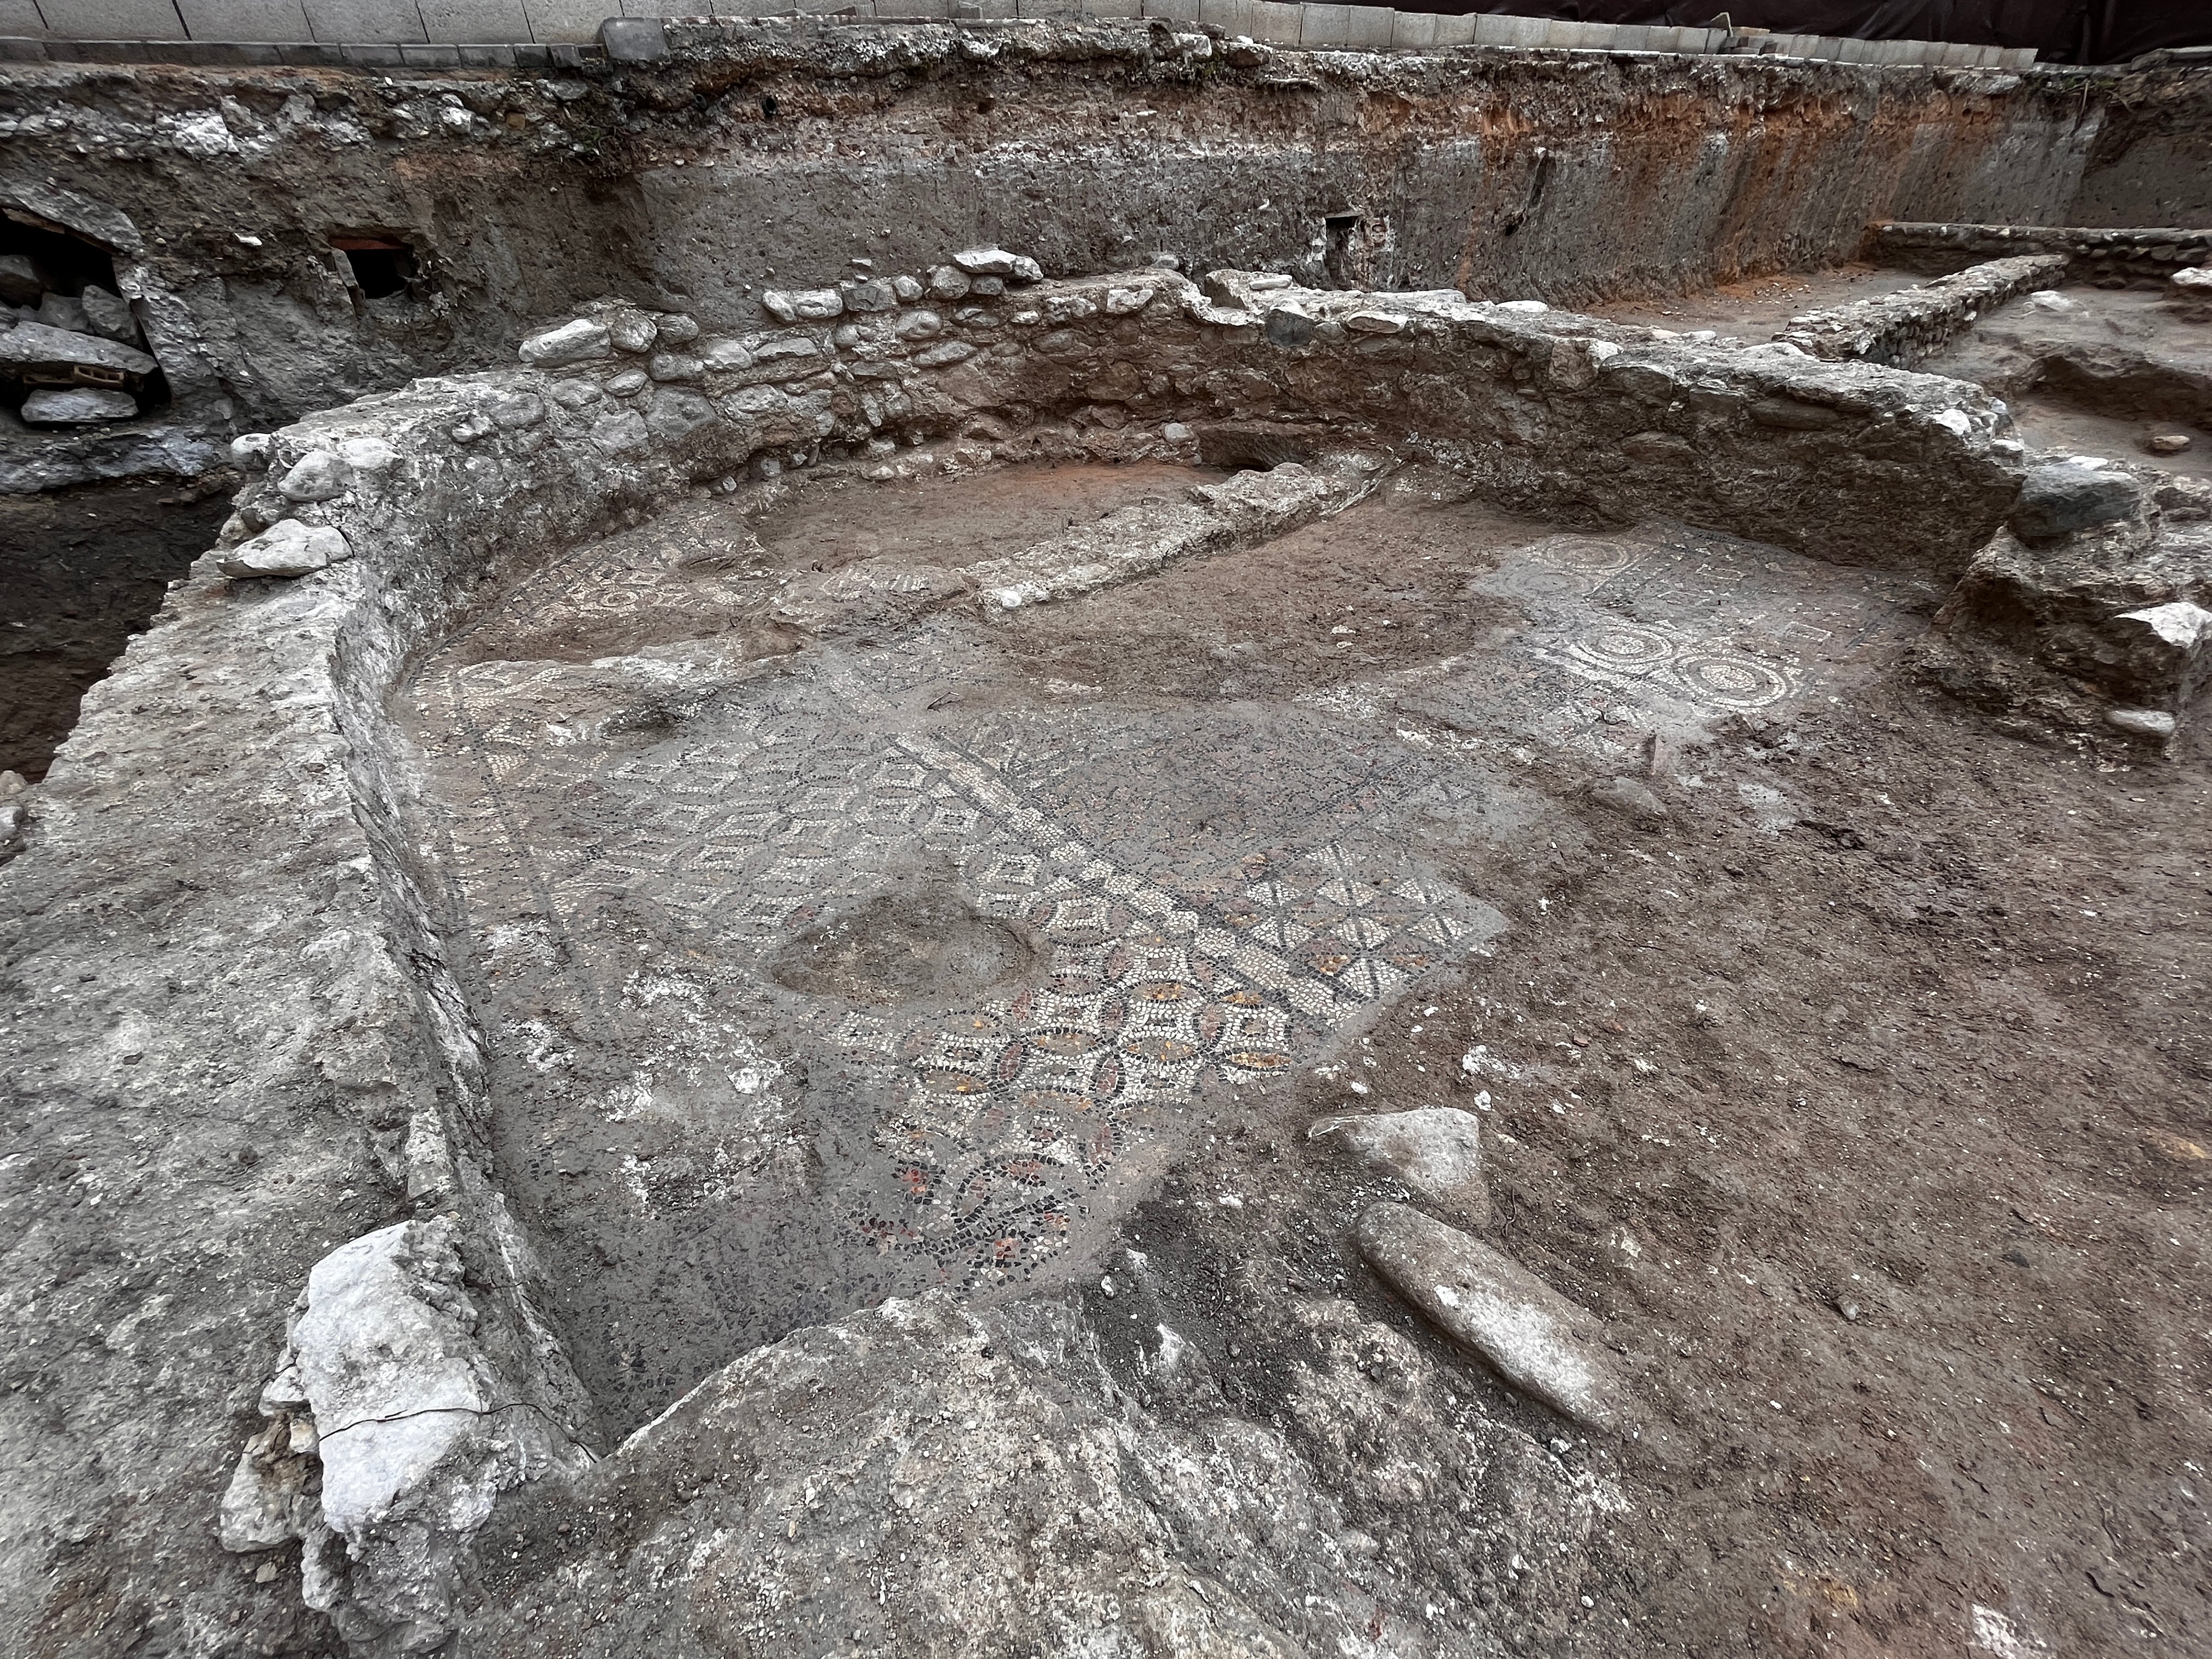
(666, 838)
(1177, 962)
(1208, 901)
(773, 812)
(1659, 606)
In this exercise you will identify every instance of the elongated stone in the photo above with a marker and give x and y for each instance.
(79, 403)
(1496, 1308)
(34, 345)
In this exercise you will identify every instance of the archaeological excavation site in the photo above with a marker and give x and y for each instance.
(1196, 828)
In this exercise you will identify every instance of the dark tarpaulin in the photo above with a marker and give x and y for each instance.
(2061, 31)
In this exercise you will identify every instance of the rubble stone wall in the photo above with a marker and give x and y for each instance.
(2139, 254)
(1905, 329)
(758, 154)
(271, 1042)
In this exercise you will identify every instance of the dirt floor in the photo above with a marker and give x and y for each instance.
(1760, 307)
(2096, 372)
(1848, 1057)
(1866, 1095)
(83, 570)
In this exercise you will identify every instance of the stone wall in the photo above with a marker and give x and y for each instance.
(2142, 254)
(234, 1001)
(1905, 329)
(755, 154)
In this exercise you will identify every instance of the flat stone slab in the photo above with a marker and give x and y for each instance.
(1436, 1152)
(34, 346)
(1496, 1308)
(75, 404)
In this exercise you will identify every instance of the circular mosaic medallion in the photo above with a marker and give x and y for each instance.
(1736, 682)
(1617, 645)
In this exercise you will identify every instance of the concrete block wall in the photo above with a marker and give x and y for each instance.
(1381, 29)
(1326, 27)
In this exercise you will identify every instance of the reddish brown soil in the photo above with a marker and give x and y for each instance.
(1760, 306)
(1885, 1147)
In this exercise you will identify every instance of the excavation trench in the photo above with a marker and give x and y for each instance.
(85, 569)
(826, 843)
(879, 941)
(938, 781)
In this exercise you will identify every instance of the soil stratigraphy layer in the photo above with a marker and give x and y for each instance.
(84, 570)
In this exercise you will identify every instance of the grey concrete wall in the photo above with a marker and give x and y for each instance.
(1365, 28)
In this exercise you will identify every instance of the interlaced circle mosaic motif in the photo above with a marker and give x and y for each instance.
(1208, 901)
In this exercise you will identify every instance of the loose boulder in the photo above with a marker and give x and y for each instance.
(287, 548)
(1435, 1152)
(108, 315)
(317, 476)
(22, 281)
(998, 261)
(1489, 1304)
(61, 310)
(395, 1423)
(2191, 283)
(2153, 723)
(2055, 500)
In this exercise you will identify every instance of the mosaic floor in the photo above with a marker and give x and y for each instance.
(819, 974)
(1695, 626)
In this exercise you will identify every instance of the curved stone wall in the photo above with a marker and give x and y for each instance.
(276, 1038)
(764, 154)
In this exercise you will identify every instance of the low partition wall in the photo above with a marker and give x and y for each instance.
(237, 1004)
(2110, 258)
(1905, 329)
